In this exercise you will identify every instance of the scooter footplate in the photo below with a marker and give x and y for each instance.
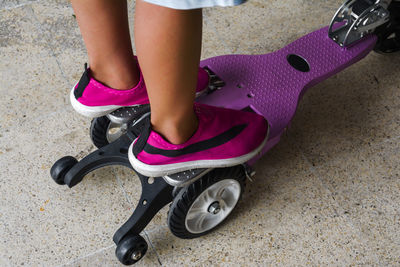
(270, 85)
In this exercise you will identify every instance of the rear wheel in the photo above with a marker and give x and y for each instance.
(61, 167)
(131, 249)
(200, 207)
(103, 131)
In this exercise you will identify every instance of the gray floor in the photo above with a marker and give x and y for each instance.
(327, 194)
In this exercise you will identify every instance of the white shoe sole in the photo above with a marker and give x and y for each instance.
(162, 170)
(98, 111)
(92, 112)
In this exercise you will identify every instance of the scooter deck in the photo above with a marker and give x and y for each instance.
(272, 84)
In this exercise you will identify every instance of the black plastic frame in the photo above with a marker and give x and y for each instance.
(155, 193)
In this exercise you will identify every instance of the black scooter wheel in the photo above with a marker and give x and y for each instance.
(61, 167)
(203, 205)
(131, 249)
(103, 131)
(389, 33)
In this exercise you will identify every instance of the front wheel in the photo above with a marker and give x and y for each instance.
(389, 33)
(200, 207)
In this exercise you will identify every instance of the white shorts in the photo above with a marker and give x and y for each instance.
(194, 4)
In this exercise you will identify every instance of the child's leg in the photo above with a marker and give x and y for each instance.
(105, 30)
(168, 44)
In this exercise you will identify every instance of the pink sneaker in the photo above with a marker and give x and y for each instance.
(93, 99)
(224, 137)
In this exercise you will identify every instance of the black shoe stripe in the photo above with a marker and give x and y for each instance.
(83, 83)
(199, 146)
(144, 131)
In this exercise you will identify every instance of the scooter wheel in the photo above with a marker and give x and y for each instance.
(131, 249)
(389, 33)
(203, 205)
(61, 167)
(103, 131)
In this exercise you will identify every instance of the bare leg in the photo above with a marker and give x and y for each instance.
(168, 44)
(105, 30)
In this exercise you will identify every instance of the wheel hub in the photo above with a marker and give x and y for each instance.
(214, 208)
(136, 255)
(115, 131)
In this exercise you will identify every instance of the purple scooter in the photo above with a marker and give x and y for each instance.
(270, 85)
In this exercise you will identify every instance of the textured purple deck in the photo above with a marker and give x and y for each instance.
(271, 86)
